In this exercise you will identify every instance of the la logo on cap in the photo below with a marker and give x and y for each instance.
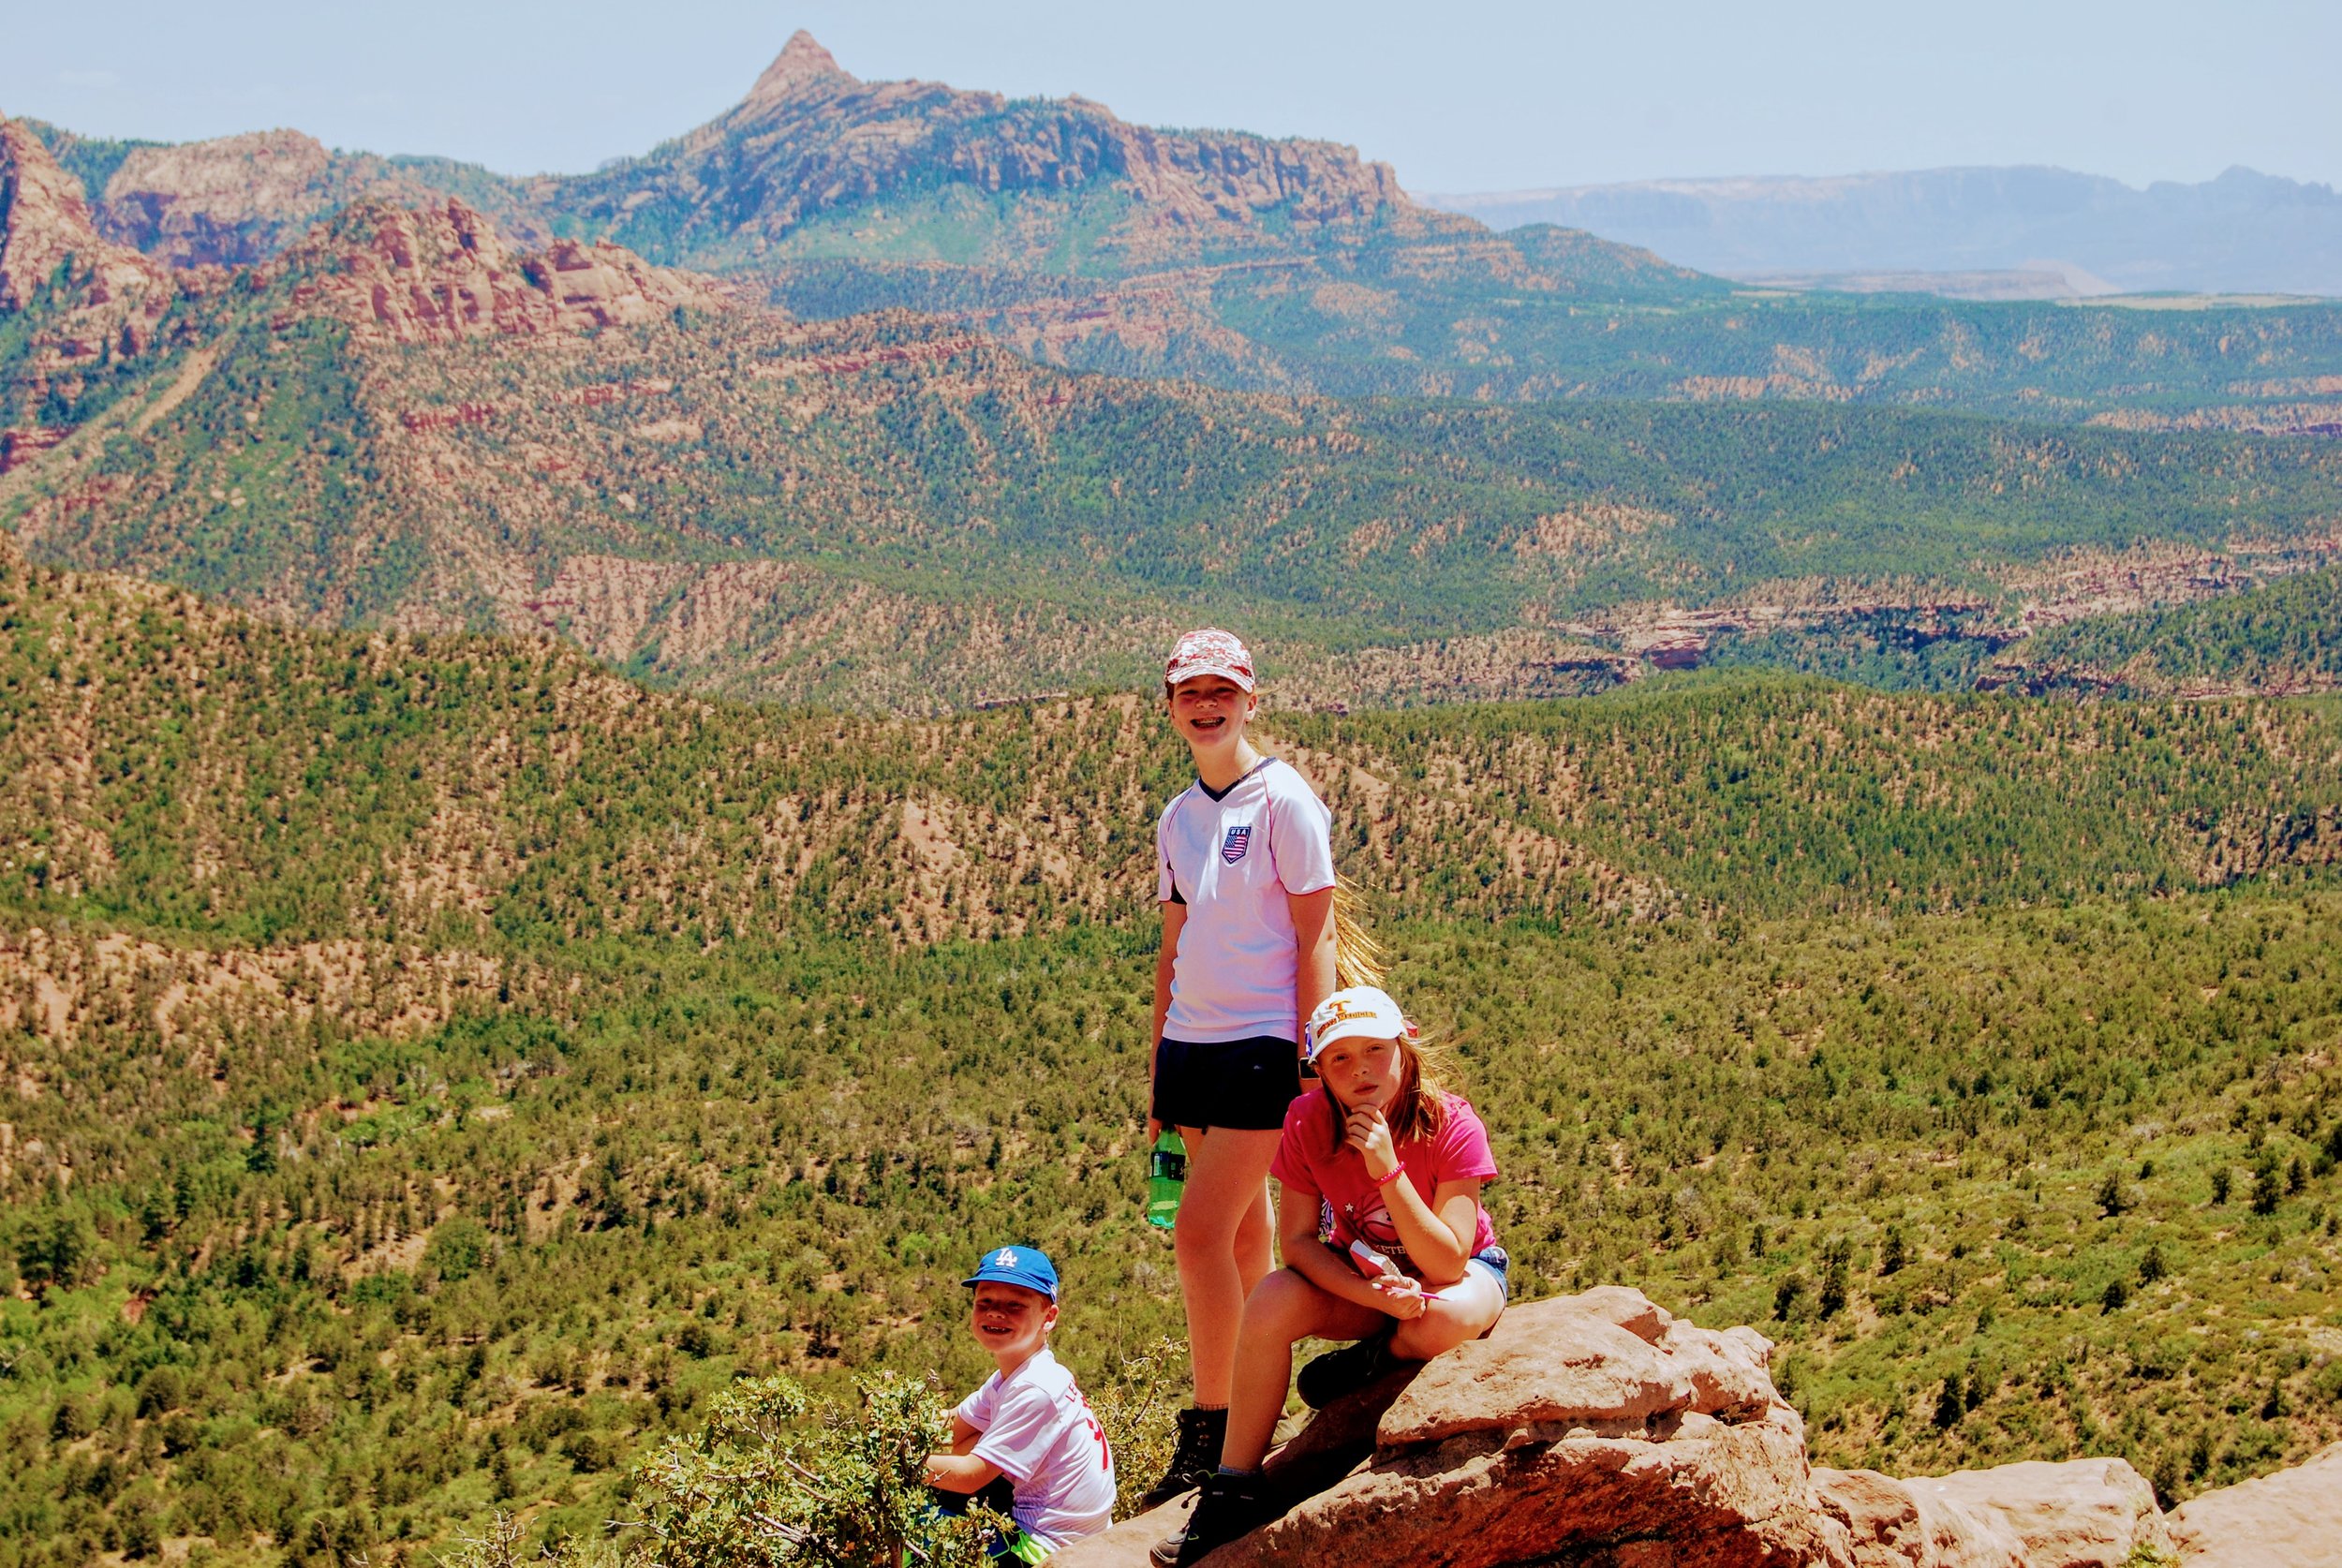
(1005, 1257)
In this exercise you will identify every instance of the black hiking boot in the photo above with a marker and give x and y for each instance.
(1194, 1459)
(1228, 1507)
(1328, 1377)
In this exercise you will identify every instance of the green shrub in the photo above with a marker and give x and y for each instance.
(779, 1479)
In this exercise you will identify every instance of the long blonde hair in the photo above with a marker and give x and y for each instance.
(1359, 958)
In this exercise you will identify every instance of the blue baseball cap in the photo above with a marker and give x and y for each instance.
(1028, 1266)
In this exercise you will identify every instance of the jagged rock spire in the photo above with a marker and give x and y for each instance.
(802, 63)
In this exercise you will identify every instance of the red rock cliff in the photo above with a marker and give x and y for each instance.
(443, 273)
(109, 298)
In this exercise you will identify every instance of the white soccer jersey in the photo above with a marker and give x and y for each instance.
(1038, 1431)
(1233, 860)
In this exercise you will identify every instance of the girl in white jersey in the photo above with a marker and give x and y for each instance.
(1245, 878)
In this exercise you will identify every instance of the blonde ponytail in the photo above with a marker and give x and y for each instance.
(1359, 958)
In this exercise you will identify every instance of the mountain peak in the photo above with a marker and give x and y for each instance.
(802, 63)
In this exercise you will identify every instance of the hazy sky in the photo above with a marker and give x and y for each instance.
(1484, 97)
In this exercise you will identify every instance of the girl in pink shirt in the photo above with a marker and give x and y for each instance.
(1410, 1267)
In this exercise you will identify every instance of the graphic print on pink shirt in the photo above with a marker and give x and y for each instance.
(1308, 1157)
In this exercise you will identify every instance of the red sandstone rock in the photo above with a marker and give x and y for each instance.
(2095, 1512)
(100, 301)
(1591, 1428)
(2291, 1519)
(444, 273)
(1892, 1525)
(45, 227)
(2082, 1514)
(801, 65)
(1596, 1430)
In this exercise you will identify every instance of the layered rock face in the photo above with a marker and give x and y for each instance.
(443, 273)
(45, 230)
(2085, 1511)
(99, 303)
(229, 201)
(1596, 1430)
(810, 137)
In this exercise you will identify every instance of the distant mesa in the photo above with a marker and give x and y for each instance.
(2242, 233)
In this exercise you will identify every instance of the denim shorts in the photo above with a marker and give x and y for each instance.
(1499, 1263)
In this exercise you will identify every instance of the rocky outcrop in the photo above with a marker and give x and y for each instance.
(810, 137)
(47, 239)
(235, 201)
(2291, 1519)
(443, 273)
(229, 201)
(1586, 1428)
(98, 303)
(1596, 1430)
(2083, 1514)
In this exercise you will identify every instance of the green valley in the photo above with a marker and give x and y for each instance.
(438, 1066)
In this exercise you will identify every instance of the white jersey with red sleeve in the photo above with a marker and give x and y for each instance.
(1038, 1431)
(1233, 859)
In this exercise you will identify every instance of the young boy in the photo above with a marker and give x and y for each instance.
(1029, 1425)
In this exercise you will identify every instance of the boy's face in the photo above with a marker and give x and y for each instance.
(1212, 710)
(1010, 1322)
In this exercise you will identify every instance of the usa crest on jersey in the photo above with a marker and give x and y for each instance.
(1233, 847)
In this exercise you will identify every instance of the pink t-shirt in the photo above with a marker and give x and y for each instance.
(1308, 1156)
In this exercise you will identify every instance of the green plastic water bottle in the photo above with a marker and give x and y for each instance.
(1166, 1173)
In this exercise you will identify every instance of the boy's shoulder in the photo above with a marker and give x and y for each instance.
(1042, 1375)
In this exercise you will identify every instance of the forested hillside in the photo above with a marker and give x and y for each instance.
(2278, 638)
(888, 513)
(1505, 319)
(436, 1065)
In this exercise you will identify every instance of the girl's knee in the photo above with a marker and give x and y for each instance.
(1465, 1312)
(1199, 1232)
(1284, 1304)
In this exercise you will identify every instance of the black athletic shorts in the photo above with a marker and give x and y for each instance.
(1245, 1085)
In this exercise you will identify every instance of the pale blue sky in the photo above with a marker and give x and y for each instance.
(1479, 97)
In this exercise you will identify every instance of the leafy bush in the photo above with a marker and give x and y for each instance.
(781, 1480)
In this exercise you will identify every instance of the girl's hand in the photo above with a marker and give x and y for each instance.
(1402, 1298)
(1369, 1134)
